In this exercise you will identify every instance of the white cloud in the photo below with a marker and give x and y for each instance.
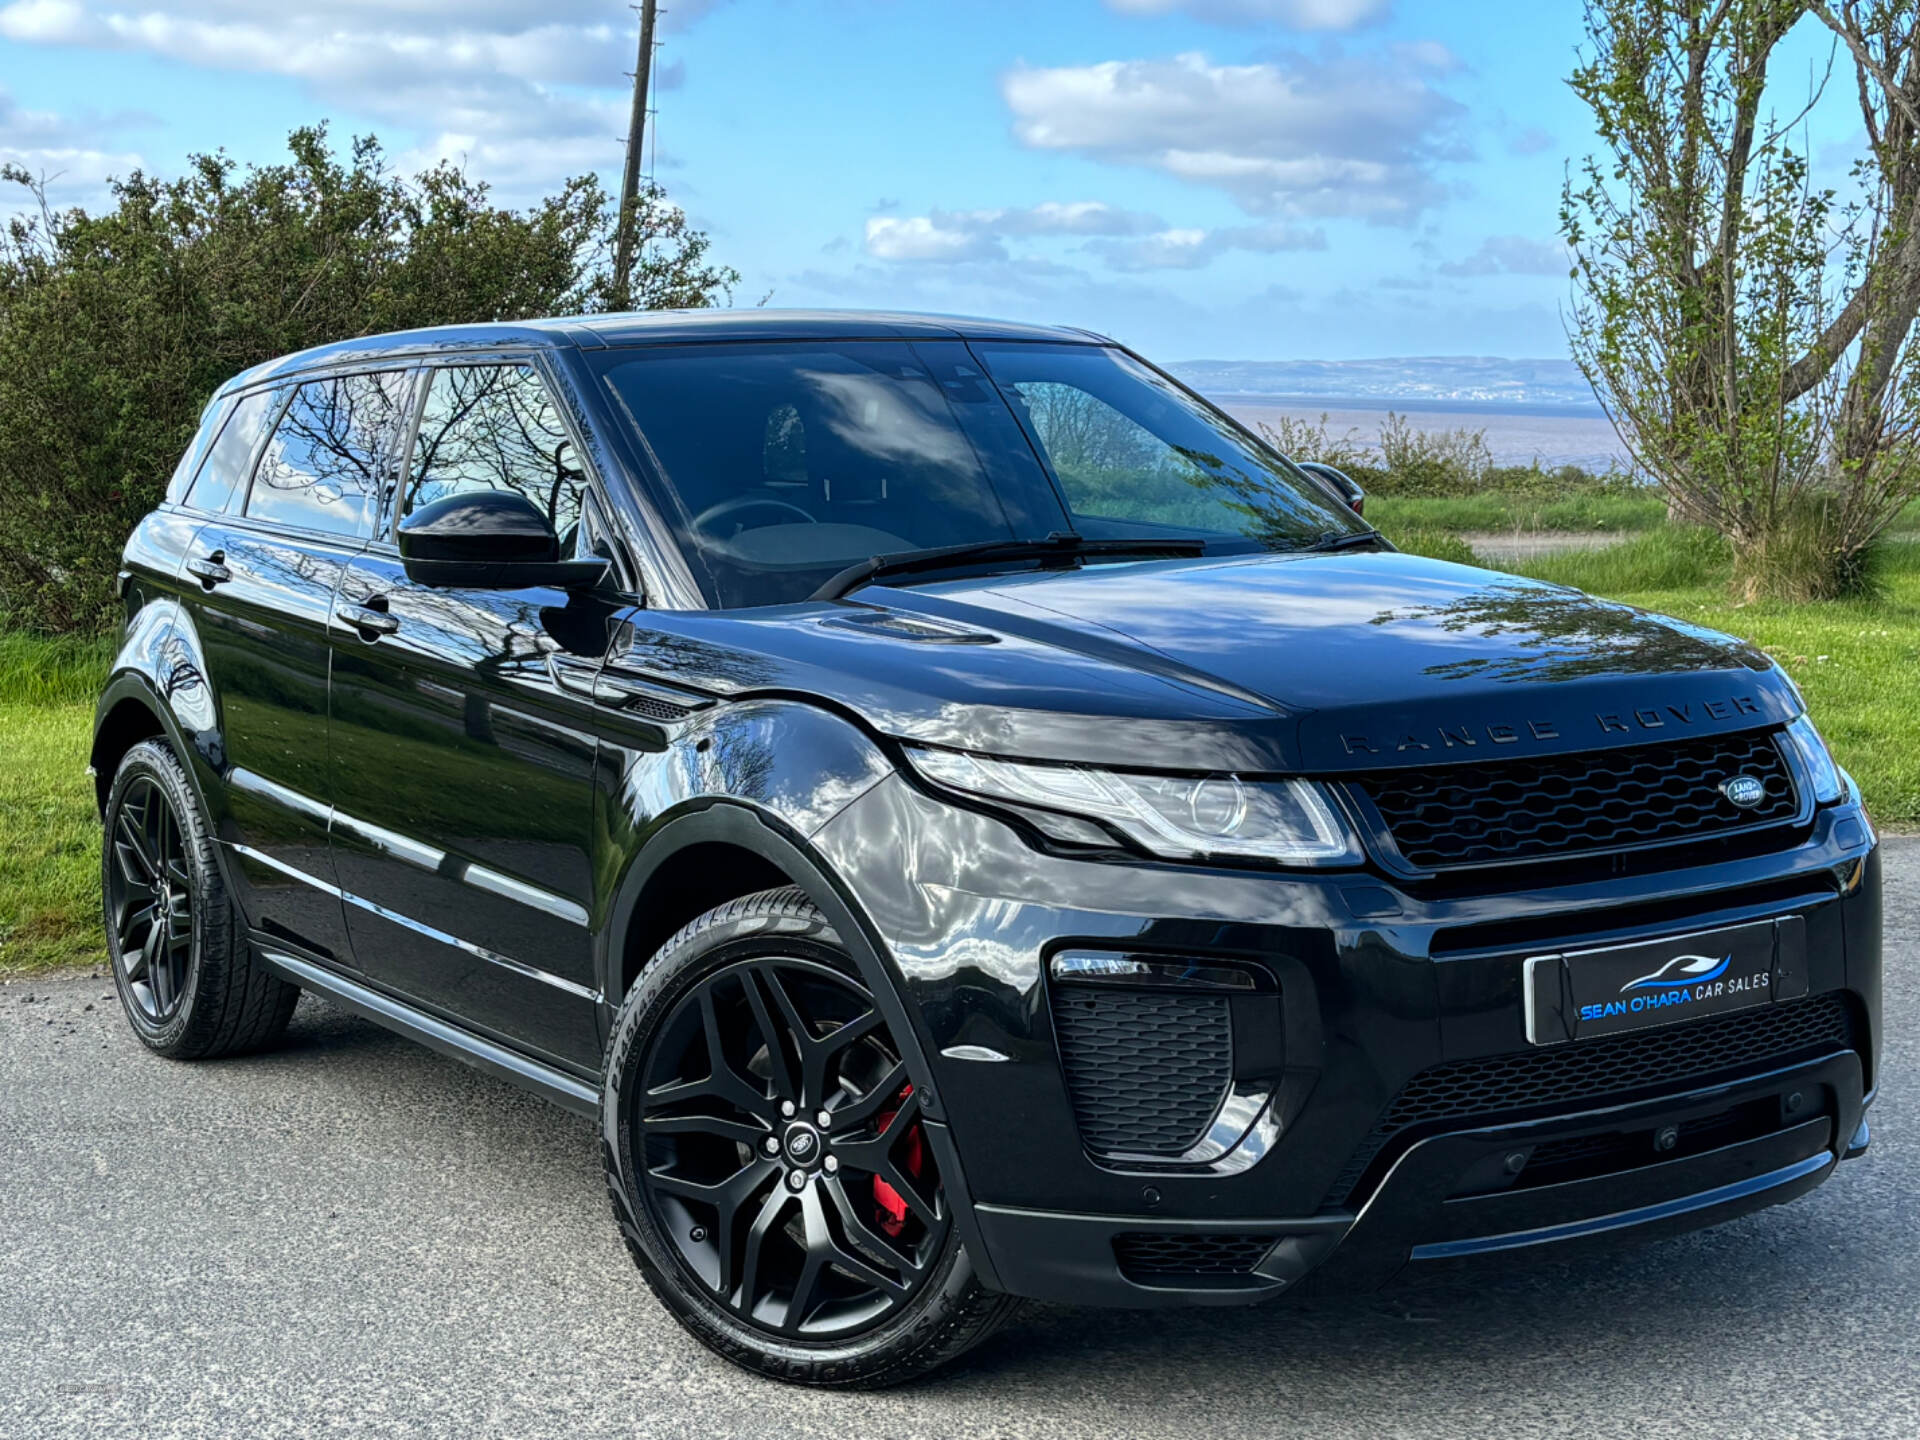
(1342, 136)
(1126, 240)
(951, 236)
(1511, 255)
(1295, 14)
(74, 156)
(1192, 249)
(523, 91)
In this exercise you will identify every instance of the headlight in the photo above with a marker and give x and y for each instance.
(1822, 773)
(1179, 817)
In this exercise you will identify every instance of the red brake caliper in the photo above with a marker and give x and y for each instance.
(890, 1204)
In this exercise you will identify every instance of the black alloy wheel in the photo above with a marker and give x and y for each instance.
(770, 1161)
(150, 900)
(186, 973)
(783, 1150)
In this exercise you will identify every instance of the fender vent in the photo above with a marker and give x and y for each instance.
(1147, 1072)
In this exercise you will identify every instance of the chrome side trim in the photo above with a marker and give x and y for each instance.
(544, 901)
(561, 1088)
(479, 952)
(262, 858)
(481, 877)
(247, 782)
(1622, 1219)
(414, 852)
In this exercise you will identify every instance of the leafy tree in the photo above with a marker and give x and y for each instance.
(1750, 336)
(116, 328)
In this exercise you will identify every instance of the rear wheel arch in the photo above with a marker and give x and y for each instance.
(132, 716)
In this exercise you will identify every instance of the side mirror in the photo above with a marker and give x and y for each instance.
(489, 540)
(1343, 484)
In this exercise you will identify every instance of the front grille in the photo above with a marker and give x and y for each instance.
(1463, 1093)
(1169, 1257)
(1556, 805)
(1147, 1072)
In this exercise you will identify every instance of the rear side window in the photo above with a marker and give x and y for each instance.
(211, 420)
(495, 427)
(327, 465)
(225, 468)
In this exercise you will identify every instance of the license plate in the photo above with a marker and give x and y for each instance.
(1581, 993)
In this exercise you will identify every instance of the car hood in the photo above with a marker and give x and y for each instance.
(1307, 663)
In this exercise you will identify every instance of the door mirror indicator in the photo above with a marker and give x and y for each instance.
(489, 540)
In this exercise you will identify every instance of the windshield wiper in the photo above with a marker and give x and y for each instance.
(1332, 541)
(1060, 546)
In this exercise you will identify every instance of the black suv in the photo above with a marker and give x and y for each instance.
(970, 821)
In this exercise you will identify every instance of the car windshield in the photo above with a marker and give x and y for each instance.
(785, 463)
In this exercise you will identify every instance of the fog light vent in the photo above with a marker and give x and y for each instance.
(1147, 1071)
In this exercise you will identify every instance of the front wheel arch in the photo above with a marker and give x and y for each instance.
(746, 828)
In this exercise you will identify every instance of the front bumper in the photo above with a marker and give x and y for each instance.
(1378, 984)
(1449, 1196)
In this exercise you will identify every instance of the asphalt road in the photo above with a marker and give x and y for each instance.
(353, 1236)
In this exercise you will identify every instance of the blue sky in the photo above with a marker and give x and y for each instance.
(1234, 179)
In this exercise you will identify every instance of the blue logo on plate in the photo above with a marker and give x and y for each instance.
(1680, 972)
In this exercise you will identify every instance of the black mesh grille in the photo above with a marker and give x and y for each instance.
(1160, 1257)
(1476, 1092)
(654, 709)
(1146, 1071)
(1566, 804)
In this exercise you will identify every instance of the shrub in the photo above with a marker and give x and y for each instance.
(1313, 440)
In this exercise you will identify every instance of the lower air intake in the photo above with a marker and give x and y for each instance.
(1588, 1073)
(1185, 1257)
(1147, 1072)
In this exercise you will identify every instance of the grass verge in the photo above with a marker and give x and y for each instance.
(49, 837)
(1496, 512)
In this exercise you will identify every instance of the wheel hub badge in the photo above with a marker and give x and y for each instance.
(803, 1144)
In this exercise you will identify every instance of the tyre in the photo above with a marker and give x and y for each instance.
(187, 978)
(767, 1163)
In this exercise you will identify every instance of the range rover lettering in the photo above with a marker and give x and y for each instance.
(970, 822)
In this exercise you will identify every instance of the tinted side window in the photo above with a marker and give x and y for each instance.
(211, 420)
(326, 466)
(495, 427)
(225, 470)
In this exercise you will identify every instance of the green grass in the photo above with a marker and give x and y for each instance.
(1496, 512)
(49, 837)
(49, 834)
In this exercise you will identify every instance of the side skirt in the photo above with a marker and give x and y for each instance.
(550, 1084)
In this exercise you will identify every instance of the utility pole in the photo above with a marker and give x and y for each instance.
(630, 178)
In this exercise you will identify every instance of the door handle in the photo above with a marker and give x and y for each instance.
(369, 617)
(211, 571)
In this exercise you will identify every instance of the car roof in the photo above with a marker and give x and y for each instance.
(661, 327)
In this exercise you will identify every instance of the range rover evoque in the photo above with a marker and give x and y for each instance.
(970, 821)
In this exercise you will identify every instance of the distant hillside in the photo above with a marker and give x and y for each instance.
(1473, 380)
